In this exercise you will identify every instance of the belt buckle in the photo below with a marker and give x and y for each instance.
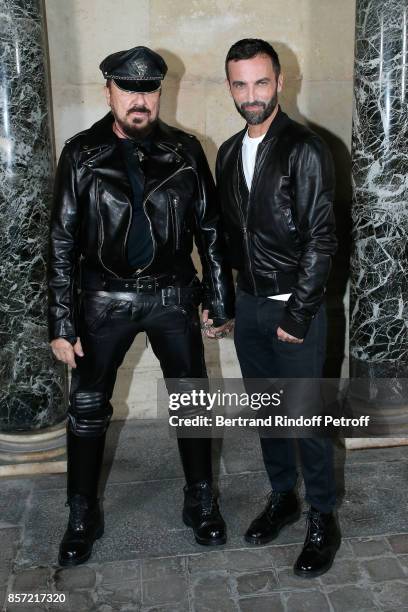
(138, 285)
(143, 283)
(166, 294)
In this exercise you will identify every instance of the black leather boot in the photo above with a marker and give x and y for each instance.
(322, 541)
(85, 525)
(282, 508)
(201, 512)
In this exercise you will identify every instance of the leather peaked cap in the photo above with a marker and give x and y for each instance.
(137, 69)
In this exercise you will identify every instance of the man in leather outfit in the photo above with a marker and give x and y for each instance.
(276, 188)
(130, 194)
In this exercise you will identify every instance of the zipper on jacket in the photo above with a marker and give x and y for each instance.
(144, 208)
(101, 233)
(244, 221)
(205, 251)
(259, 152)
(173, 207)
(124, 250)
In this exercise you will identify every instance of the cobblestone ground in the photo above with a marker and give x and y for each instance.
(148, 561)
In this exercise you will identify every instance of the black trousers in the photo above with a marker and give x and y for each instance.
(108, 324)
(262, 355)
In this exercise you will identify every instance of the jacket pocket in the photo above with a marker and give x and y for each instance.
(287, 216)
(174, 202)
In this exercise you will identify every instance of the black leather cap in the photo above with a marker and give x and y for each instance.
(138, 69)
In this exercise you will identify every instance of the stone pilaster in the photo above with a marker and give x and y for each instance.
(32, 385)
(379, 281)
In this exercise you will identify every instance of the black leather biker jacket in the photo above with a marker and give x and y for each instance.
(92, 211)
(282, 238)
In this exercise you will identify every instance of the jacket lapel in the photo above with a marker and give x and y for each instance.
(165, 160)
(101, 154)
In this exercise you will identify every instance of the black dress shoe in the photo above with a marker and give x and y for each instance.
(85, 525)
(322, 541)
(281, 509)
(201, 512)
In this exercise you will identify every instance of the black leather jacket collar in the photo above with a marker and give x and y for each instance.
(100, 135)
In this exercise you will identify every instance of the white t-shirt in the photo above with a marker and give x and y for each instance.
(249, 149)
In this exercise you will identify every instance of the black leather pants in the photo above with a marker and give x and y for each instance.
(108, 324)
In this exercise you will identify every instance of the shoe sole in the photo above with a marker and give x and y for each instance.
(316, 573)
(84, 558)
(217, 542)
(203, 542)
(266, 539)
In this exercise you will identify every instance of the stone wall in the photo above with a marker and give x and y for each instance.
(315, 41)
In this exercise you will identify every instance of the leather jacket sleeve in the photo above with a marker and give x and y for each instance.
(314, 183)
(62, 251)
(217, 274)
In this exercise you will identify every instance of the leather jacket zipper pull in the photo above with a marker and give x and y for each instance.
(174, 204)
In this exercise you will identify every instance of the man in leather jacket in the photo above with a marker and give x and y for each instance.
(276, 188)
(131, 193)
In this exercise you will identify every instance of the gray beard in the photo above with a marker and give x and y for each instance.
(134, 131)
(257, 117)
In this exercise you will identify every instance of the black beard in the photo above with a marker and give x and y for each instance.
(257, 117)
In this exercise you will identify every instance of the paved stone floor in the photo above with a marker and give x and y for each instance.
(148, 561)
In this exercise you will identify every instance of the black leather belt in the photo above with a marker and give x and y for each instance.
(147, 284)
(168, 296)
(165, 289)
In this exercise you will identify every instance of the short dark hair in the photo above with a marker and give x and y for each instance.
(247, 48)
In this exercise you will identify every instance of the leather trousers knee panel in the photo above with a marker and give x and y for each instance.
(90, 413)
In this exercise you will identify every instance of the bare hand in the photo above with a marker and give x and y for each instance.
(65, 352)
(285, 337)
(215, 332)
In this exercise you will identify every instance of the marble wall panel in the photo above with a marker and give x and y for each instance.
(379, 289)
(31, 384)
